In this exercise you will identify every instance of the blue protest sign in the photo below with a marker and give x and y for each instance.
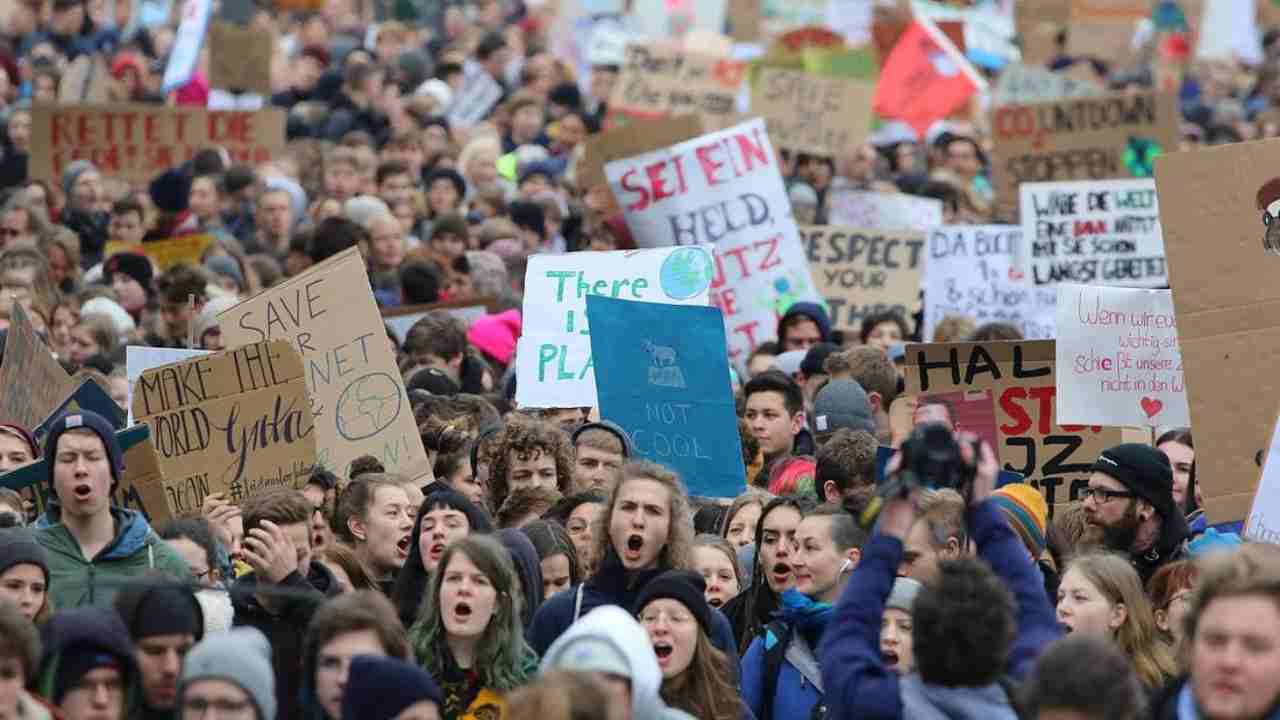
(662, 373)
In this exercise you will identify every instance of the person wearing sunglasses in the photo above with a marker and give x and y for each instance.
(1129, 507)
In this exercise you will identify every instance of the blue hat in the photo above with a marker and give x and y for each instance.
(1211, 541)
(814, 312)
(380, 688)
(84, 420)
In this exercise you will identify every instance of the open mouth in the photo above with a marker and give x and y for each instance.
(462, 611)
(889, 657)
(403, 546)
(663, 650)
(83, 491)
(1066, 628)
(715, 602)
(436, 551)
(635, 544)
(782, 572)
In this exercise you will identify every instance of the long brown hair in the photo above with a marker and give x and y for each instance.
(677, 552)
(704, 690)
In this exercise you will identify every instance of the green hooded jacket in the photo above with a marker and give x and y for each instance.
(75, 581)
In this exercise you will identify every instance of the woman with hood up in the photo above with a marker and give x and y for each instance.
(529, 569)
(444, 517)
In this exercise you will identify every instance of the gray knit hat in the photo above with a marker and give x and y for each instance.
(903, 595)
(72, 172)
(241, 656)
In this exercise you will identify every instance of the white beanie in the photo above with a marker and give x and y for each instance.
(120, 317)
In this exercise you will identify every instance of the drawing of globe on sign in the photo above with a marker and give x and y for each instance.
(686, 272)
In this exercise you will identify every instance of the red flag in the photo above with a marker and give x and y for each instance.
(925, 78)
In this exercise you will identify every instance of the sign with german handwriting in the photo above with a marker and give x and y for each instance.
(1020, 379)
(723, 188)
(1097, 138)
(233, 422)
(813, 113)
(32, 380)
(357, 395)
(138, 142)
(861, 272)
(1092, 232)
(658, 80)
(1118, 358)
(971, 271)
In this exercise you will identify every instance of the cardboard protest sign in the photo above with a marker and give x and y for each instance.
(971, 272)
(402, 318)
(1038, 24)
(240, 58)
(1019, 377)
(1217, 211)
(1020, 83)
(860, 272)
(234, 422)
(1092, 232)
(137, 142)
(744, 20)
(602, 148)
(165, 254)
(1098, 138)
(141, 485)
(657, 81)
(662, 376)
(89, 395)
(141, 358)
(33, 381)
(813, 114)
(1118, 358)
(357, 396)
(1104, 29)
(87, 80)
(554, 367)
(882, 211)
(723, 188)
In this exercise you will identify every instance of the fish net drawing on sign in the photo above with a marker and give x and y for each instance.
(1269, 204)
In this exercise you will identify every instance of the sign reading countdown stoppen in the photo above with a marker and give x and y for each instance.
(357, 395)
(1019, 377)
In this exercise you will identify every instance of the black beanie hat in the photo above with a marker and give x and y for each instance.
(1144, 470)
(453, 176)
(171, 191)
(528, 216)
(135, 265)
(18, 546)
(156, 606)
(685, 587)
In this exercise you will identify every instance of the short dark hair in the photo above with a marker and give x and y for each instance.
(871, 320)
(280, 505)
(871, 368)
(436, 333)
(333, 235)
(1088, 675)
(848, 459)
(993, 331)
(181, 280)
(390, 168)
(126, 205)
(353, 612)
(323, 479)
(845, 532)
(1182, 436)
(195, 529)
(964, 625)
(419, 282)
(776, 381)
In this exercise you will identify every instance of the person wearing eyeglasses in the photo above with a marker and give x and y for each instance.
(229, 674)
(1129, 507)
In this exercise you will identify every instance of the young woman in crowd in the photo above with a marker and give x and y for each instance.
(19, 661)
(696, 677)
(771, 574)
(374, 517)
(468, 635)
(556, 555)
(17, 447)
(1100, 594)
(717, 562)
(580, 515)
(24, 574)
(352, 624)
(743, 517)
(443, 518)
(896, 646)
(1177, 445)
(1170, 592)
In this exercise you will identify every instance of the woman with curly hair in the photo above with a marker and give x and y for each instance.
(530, 453)
(468, 635)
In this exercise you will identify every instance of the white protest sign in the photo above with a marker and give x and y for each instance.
(187, 43)
(1118, 358)
(1263, 524)
(473, 101)
(608, 46)
(140, 358)
(723, 188)
(882, 211)
(1229, 31)
(553, 358)
(1020, 84)
(1095, 232)
(970, 271)
(990, 36)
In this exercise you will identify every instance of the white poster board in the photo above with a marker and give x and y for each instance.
(882, 211)
(141, 358)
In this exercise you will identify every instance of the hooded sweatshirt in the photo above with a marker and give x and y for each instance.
(615, 627)
(73, 631)
(529, 568)
(76, 581)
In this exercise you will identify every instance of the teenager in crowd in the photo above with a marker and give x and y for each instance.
(24, 574)
(781, 676)
(385, 688)
(468, 634)
(771, 574)
(374, 517)
(556, 556)
(443, 518)
(580, 514)
(1177, 445)
(599, 449)
(896, 646)
(1170, 591)
(530, 453)
(743, 517)
(717, 562)
(696, 677)
(1100, 594)
(775, 411)
(229, 673)
(1084, 676)
(164, 621)
(87, 670)
(358, 623)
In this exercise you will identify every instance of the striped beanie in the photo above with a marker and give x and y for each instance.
(1027, 512)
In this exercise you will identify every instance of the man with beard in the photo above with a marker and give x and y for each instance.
(1130, 509)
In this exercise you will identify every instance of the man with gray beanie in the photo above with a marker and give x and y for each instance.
(841, 404)
(93, 545)
(229, 672)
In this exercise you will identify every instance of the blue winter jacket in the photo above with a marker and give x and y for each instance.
(859, 685)
(799, 685)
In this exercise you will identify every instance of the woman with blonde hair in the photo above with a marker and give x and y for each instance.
(478, 163)
(1101, 594)
(61, 247)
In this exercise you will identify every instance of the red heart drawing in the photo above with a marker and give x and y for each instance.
(1152, 406)
(1015, 274)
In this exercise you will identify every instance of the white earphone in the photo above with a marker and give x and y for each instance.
(845, 566)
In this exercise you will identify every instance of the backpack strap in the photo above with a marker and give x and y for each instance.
(774, 657)
(577, 603)
(1013, 692)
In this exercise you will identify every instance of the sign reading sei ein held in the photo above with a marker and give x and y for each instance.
(234, 422)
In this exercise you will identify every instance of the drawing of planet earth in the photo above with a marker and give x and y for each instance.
(686, 273)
